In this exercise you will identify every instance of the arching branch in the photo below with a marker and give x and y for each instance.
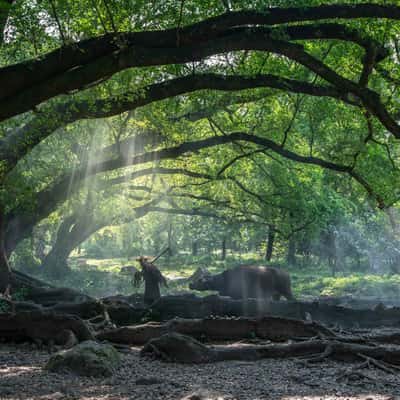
(22, 140)
(87, 63)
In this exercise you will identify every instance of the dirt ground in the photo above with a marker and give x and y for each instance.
(22, 377)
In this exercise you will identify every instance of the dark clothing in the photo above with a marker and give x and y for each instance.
(152, 279)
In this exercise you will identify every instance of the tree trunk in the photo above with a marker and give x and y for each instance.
(270, 243)
(5, 270)
(74, 230)
(39, 247)
(195, 248)
(55, 263)
(223, 255)
(170, 250)
(291, 255)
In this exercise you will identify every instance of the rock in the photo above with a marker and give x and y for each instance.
(88, 358)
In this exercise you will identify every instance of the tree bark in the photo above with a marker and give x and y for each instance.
(270, 243)
(223, 249)
(291, 255)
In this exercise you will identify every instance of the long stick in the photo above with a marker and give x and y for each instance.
(160, 255)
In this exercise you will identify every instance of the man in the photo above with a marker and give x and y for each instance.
(152, 279)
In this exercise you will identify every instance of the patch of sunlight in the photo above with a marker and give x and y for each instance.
(7, 372)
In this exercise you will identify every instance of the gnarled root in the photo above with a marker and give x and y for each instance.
(180, 348)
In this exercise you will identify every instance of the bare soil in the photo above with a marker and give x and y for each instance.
(22, 377)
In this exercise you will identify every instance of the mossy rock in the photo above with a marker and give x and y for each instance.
(88, 358)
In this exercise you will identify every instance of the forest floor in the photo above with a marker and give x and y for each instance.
(22, 377)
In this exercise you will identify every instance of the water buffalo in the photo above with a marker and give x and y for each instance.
(248, 282)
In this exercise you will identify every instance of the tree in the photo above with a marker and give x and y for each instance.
(96, 58)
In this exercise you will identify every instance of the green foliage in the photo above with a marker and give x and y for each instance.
(357, 285)
(23, 258)
(103, 244)
(103, 278)
(246, 189)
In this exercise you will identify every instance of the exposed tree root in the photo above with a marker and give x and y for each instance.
(43, 327)
(322, 356)
(85, 310)
(271, 328)
(101, 322)
(190, 306)
(353, 374)
(382, 365)
(180, 348)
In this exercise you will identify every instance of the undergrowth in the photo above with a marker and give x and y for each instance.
(103, 277)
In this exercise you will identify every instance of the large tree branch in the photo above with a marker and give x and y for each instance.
(77, 228)
(194, 146)
(92, 61)
(154, 171)
(221, 103)
(20, 223)
(86, 51)
(22, 140)
(200, 213)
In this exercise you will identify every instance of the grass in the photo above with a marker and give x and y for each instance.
(102, 277)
